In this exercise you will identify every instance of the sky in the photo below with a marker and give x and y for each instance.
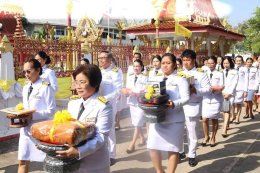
(236, 10)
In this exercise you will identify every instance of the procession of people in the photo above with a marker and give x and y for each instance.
(196, 96)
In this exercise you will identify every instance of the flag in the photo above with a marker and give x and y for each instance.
(109, 39)
(181, 30)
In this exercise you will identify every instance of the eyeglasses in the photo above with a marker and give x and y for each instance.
(104, 57)
(27, 71)
(80, 82)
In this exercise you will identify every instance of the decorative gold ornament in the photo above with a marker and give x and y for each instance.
(5, 45)
(11, 9)
(168, 50)
(136, 50)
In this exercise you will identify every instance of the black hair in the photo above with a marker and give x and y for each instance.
(85, 60)
(92, 72)
(172, 57)
(137, 53)
(250, 59)
(239, 56)
(179, 60)
(189, 54)
(44, 56)
(231, 62)
(35, 65)
(157, 57)
(213, 58)
(109, 54)
(141, 63)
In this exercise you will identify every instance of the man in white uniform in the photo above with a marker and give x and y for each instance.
(111, 85)
(199, 87)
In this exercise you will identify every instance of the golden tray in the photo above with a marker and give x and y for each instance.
(18, 117)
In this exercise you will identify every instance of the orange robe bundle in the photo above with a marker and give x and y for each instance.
(62, 130)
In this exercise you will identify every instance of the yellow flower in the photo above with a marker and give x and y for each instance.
(62, 117)
(19, 107)
(149, 93)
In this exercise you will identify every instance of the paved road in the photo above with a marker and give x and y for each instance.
(238, 153)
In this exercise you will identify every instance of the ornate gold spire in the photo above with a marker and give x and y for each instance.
(5, 45)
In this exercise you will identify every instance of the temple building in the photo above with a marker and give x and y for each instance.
(209, 35)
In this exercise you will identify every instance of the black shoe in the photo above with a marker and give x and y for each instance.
(246, 116)
(213, 145)
(193, 162)
(112, 161)
(182, 156)
(224, 135)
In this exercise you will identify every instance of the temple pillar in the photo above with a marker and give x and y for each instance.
(209, 46)
(170, 43)
(192, 43)
(221, 47)
(157, 26)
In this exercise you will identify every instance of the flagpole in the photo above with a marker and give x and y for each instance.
(108, 19)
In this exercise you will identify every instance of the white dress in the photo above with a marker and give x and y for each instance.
(230, 83)
(212, 102)
(137, 114)
(48, 75)
(42, 99)
(253, 79)
(168, 135)
(94, 154)
(242, 85)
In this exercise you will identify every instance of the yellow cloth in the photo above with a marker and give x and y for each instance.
(181, 30)
(5, 85)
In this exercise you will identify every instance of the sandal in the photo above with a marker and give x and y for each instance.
(205, 143)
(129, 151)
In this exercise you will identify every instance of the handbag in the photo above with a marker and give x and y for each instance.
(226, 106)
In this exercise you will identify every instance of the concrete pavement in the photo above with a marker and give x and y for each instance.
(238, 153)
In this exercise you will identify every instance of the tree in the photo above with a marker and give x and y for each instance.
(25, 23)
(251, 29)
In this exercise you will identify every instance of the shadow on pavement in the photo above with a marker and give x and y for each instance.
(34, 166)
(229, 158)
(9, 146)
(135, 170)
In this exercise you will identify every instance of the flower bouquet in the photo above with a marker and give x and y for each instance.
(18, 115)
(58, 134)
(153, 102)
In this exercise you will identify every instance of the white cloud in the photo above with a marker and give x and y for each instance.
(222, 9)
(56, 9)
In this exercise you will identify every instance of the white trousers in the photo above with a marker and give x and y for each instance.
(112, 134)
(192, 125)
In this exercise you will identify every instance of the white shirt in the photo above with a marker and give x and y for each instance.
(155, 75)
(135, 86)
(41, 98)
(48, 75)
(230, 81)
(253, 78)
(178, 90)
(202, 85)
(94, 154)
(112, 83)
(242, 83)
(216, 79)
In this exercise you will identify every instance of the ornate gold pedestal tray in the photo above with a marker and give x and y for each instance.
(18, 117)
